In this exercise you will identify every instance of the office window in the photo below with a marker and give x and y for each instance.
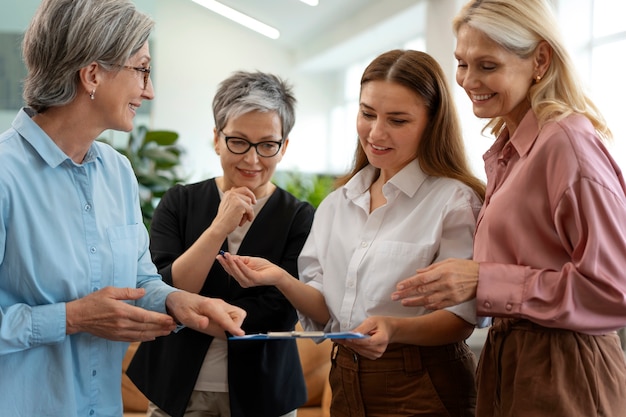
(596, 33)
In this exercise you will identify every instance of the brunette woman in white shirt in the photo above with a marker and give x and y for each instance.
(410, 200)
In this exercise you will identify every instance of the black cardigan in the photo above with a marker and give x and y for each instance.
(265, 377)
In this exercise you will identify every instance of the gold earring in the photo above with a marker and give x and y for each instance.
(92, 94)
(538, 78)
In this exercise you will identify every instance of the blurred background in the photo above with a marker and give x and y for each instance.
(322, 50)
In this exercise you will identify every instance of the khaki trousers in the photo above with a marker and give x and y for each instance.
(204, 404)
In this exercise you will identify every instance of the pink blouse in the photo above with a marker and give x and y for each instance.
(551, 236)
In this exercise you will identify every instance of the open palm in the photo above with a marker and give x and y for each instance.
(251, 271)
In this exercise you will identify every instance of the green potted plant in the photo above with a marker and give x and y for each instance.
(307, 187)
(155, 158)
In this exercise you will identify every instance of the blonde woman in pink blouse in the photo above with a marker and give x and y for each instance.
(550, 245)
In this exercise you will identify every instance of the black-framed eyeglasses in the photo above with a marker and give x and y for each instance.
(239, 146)
(144, 71)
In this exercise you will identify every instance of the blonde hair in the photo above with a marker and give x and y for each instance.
(519, 26)
(441, 150)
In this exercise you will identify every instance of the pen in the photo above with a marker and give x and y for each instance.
(222, 252)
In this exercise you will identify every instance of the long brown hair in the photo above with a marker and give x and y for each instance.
(441, 152)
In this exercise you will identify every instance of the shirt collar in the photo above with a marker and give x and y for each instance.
(407, 180)
(42, 143)
(526, 133)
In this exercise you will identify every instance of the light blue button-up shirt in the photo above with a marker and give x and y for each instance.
(66, 230)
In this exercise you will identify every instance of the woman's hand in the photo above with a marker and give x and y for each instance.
(440, 285)
(104, 313)
(380, 331)
(251, 271)
(235, 209)
(204, 314)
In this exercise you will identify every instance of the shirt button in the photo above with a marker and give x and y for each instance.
(92, 249)
(87, 207)
(487, 304)
(363, 244)
(93, 373)
(91, 412)
(509, 306)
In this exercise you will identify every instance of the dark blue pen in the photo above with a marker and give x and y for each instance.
(222, 252)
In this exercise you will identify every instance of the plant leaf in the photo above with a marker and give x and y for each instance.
(159, 155)
(161, 137)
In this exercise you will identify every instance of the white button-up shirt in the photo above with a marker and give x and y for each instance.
(356, 258)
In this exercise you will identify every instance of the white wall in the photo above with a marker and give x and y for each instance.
(193, 51)
(440, 43)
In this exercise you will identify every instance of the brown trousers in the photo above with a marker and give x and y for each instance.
(529, 370)
(406, 381)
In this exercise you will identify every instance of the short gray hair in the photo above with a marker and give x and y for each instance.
(67, 35)
(244, 92)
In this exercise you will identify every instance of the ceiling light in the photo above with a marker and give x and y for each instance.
(240, 18)
(311, 2)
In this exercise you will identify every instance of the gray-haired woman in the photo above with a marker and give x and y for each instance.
(76, 278)
(190, 373)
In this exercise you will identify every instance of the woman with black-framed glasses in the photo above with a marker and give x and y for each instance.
(240, 212)
(240, 146)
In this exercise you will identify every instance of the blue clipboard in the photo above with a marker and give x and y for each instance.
(300, 335)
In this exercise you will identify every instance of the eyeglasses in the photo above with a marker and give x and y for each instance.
(239, 146)
(145, 71)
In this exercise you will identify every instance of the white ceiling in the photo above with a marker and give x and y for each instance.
(331, 35)
(297, 21)
(335, 31)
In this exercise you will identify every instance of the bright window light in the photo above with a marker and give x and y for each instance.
(240, 18)
(311, 2)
